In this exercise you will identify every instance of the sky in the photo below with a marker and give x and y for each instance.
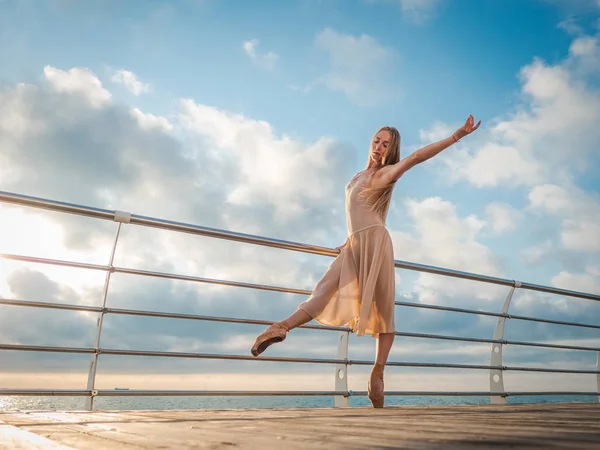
(252, 117)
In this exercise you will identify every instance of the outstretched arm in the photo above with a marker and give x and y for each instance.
(391, 174)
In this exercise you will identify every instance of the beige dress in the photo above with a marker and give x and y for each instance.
(358, 289)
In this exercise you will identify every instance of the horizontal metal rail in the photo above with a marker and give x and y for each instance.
(124, 352)
(159, 314)
(341, 390)
(41, 203)
(47, 305)
(271, 288)
(222, 393)
(495, 341)
(474, 394)
(150, 273)
(134, 312)
(62, 306)
(486, 313)
(45, 348)
(54, 262)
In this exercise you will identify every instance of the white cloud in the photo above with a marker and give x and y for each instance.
(502, 217)
(579, 213)
(78, 81)
(444, 239)
(537, 253)
(203, 165)
(586, 45)
(543, 146)
(131, 82)
(416, 11)
(551, 136)
(360, 67)
(582, 282)
(271, 170)
(265, 60)
(149, 121)
(208, 166)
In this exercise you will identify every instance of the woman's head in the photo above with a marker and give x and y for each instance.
(385, 147)
(385, 151)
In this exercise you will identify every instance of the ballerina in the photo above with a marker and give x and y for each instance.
(358, 288)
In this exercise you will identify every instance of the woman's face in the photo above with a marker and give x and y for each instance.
(379, 145)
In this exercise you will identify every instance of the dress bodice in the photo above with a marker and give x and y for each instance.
(359, 215)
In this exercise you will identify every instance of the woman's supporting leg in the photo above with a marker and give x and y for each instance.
(384, 345)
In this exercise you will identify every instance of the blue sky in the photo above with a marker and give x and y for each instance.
(252, 116)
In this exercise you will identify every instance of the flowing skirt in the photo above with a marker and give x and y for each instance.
(358, 289)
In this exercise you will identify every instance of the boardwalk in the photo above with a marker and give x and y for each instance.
(543, 426)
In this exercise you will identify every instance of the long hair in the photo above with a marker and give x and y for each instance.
(379, 198)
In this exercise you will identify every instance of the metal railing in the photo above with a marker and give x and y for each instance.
(496, 368)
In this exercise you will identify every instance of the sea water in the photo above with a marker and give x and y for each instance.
(11, 403)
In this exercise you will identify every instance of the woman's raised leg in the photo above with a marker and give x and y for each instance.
(278, 331)
(322, 294)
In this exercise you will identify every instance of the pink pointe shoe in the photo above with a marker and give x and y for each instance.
(275, 333)
(377, 397)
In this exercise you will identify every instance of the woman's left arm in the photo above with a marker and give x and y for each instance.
(391, 174)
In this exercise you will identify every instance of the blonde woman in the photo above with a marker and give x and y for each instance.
(358, 289)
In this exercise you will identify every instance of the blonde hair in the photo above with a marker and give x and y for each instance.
(379, 199)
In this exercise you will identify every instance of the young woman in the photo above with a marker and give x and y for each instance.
(358, 289)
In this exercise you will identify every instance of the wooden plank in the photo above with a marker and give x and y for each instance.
(537, 426)
(14, 438)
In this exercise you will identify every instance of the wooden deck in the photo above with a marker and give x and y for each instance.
(565, 425)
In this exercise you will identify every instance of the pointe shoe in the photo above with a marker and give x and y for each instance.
(275, 333)
(377, 398)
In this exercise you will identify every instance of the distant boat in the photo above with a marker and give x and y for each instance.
(121, 389)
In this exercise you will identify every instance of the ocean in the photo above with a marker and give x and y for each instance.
(12, 403)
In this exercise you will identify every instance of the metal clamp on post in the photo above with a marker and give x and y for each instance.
(122, 216)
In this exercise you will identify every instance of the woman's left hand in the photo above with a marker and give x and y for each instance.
(467, 128)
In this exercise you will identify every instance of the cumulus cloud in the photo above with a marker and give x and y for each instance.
(589, 281)
(579, 213)
(264, 60)
(204, 165)
(442, 238)
(208, 166)
(416, 11)
(78, 81)
(542, 148)
(352, 59)
(502, 217)
(131, 82)
(552, 136)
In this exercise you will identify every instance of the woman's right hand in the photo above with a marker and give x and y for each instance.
(341, 247)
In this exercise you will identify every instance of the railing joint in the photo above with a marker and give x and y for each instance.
(122, 216)
(517, 284)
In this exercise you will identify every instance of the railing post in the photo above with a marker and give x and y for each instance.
(341, 370)
(598, 375)
(497, 375)
(120, 217)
